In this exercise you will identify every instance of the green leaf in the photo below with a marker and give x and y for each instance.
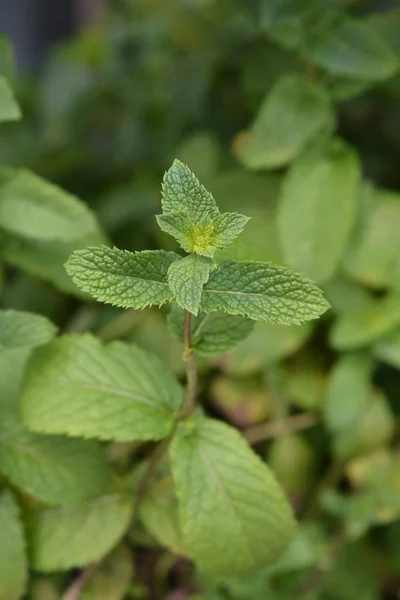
(183, 194)
(13, 564)
(387, 348)
(159, 514)
(122, 278)
(373, 256)
(213, 333)
(318, 210)
(285, 20)
(234, 516)
(292, 114)
(6, 57)
(261, 291)
(34, 208)
(358, 329)
(112, 579)
(77, 386)
(351, 48)
(227, 226)
(9, 109)
(54, 469)
(386, 25)
(22, 329)
(186, 278)
(44, 259)
(63, 538)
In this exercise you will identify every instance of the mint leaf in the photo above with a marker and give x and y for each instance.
(77, 386)
(213, 333)
(13, 564)
(32, 207)
(54, 469)
(292, 113)
(318, 209)
(261, 291)
(112, 579)
(186, 278)
(183, 194)
(234, 516)
(351, 48)
(63, 538)
(192, 216)
(22, 329)
(122, 278)
(9, 109)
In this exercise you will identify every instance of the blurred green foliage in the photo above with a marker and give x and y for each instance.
(288, 111)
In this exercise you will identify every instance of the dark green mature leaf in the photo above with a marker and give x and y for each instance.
(292, 114)
(318, 210)
(186, 278)
(21, 329)
(9, 109)
(13, 564)
(54, 469)
(285, 20)
(77, 386)
(34, 208)
(261, 291)
(63, 538)
(234, 517)
(386, 25)
(122, 278)
(213, 333)
(351, 48)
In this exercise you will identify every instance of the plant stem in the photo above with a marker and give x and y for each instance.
(273, 429)
(191, 369)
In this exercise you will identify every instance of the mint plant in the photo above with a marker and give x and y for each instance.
(233, 515)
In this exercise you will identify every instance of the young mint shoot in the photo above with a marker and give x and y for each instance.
(233, 514)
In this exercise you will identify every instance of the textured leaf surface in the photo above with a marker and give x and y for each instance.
(186, 278)
(21, 329)
(182, 193)
(261, 291)
(13, 567)
(75, 385)
(63, 538)
(233, 514)
(291, 114)
(350, 47)
(213, 333)
(122, 278)
(9, 109)
(318, 210)
(357, 329)
(54, 469)
(33, 207)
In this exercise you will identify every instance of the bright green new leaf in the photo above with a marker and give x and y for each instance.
(292, 114)
(112, 579)
(159, 514)
(351, 48)
(192, 216)
(63, 538)
(22, 329)
(261, 291)
(9, 109)
(54, 469)
(234, 516)
(13, 564)
(213, 333)
(318, 210)
(122, 278)
(186, 278)
(77, 386)
(34, 208)
(357, 329)
(183, 194)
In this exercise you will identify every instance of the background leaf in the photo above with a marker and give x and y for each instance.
(22, 329)
(13, 564)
